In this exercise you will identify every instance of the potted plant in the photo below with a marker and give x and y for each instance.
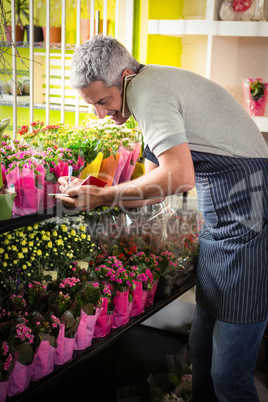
(22, 11)
(255, 95)
(6, 197)
(55, 20)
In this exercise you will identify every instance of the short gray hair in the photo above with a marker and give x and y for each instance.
(102, 58)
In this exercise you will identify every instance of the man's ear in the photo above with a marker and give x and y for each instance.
(125, 73)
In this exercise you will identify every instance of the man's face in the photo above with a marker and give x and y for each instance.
(107, 101)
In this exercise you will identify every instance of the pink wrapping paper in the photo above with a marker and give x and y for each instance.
(85, 331)
(43, 362)
(104, 322)
(65, 348)
(122, 309)
(4, 175)
(139, 299)
(134, 157)
(61, 169)
(124, 158)
(28, 196)
(3, 390)
(151, 293)
(20, 378)
(124, 174)
(254, 108)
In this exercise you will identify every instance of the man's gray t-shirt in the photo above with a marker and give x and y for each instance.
(174, 106)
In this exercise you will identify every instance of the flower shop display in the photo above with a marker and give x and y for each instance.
(34, 163)
(255, 96)
(6, 195)
(56, 307)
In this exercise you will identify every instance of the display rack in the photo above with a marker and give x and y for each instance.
(99, 344)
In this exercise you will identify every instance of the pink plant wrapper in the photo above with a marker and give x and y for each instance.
(124, 173)
(85, 331)
(65, 348)
(121, 310)
(3, 390)
(151, 293)
(80, 163)
(103, 325)
(20, 378)
(137, 299)
(254, 108)
(124, 157)
(4, 175)
(61, 169)
(43, 363)
(134, 158)
(28, 196)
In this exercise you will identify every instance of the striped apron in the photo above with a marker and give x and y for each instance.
(232, 272)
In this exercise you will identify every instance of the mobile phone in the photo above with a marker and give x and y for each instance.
(93, 181)
(125, 109)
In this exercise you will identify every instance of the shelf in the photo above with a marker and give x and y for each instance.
(262, 123)
(205, 27)
(39, 45)
(98, 344)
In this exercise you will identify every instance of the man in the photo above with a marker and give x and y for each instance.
(196, 134)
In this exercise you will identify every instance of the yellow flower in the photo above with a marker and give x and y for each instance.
(35, 226)
(64, 228)
(9, 236)
(31, 236)
(24, 250)
(1, 250)
(49, 244)
(15, 261)
(73, 232)
(39, 252)
(6, 241)
(20, 256)
(30, 244)
(14, 247)
(44, 237)
(42, 232)
(24, 266)
(55, 234)
(4, 264)
(23, 242)
(59, 242)
(82, 228)
(29, 228)
(20, 234)
(6, 257)
(83, 236)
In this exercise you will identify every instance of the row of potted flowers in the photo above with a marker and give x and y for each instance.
(42, 323)
(33, 163)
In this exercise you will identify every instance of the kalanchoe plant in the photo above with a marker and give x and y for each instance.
(257, 89)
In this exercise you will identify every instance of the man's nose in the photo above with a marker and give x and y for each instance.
(101, 111)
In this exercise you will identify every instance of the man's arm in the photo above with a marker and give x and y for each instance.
(174, 174)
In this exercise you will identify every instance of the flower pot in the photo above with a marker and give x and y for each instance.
(55, 34)
(6, 205)
(19, 33)
(254, 107)
(38, 33)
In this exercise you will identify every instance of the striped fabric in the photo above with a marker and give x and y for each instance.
(232, 273)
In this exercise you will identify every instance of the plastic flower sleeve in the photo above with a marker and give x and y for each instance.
(255, 106)
(85, 331)
(104, 322)
(122, 309)
(20, 378)
(107, 169)
(28, 194)
(123, 159)
(3, 390)
(43, 363)
(92, 168)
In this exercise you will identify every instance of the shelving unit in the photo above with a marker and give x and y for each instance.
(223, 51)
